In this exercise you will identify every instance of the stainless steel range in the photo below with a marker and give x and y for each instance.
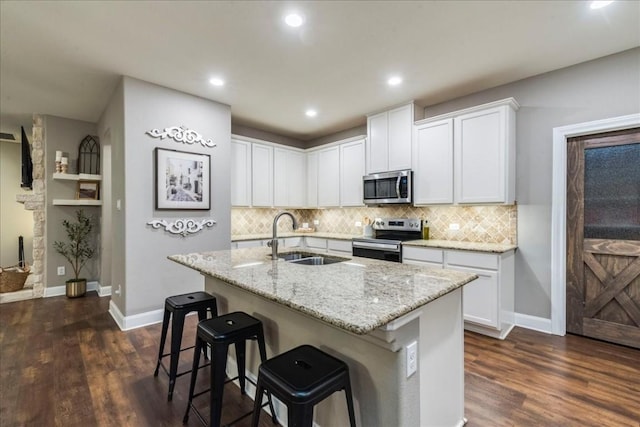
(388, 235)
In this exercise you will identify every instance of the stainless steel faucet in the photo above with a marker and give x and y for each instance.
(274, 240)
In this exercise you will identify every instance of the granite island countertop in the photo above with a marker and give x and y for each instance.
(442, 244)
(357, 295)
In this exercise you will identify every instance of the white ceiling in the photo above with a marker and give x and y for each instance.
(65, 58)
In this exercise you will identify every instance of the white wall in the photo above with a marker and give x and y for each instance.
(603, 88)
(14, 219)
(148, 276)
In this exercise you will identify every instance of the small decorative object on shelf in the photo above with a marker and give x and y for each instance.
(89, 155)
(58, 161)
(64, 164)
(78, 250)
(88, 190)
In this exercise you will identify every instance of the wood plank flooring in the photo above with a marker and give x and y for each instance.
(65, 363)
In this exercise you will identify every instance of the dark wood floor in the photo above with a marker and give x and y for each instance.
(65, 363)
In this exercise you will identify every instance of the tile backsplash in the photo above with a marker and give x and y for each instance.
(486, 224)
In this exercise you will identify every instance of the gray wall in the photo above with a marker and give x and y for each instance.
(111, 130)
(65, 135)
(148, 276)
(338, 136)
(603, 88)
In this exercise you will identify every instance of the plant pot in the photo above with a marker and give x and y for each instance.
(76, 288)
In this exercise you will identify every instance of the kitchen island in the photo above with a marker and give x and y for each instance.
(363, 311)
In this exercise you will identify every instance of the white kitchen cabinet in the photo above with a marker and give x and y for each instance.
(484, 143)
(329, 177)
(339, 247)
(289, 177)
(312, 179)
(240, 173)
(389, 139)
(262, 175)
(423, 256)
(316, 243)
(433, 163)
(351, 173)
(481, 143)
(488, 301)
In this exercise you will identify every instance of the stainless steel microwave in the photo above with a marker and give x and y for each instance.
(388, 187)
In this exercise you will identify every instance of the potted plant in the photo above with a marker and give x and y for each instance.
(78, 250)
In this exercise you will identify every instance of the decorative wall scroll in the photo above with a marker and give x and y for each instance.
(182, 180)
(181, 134)
(183, 226)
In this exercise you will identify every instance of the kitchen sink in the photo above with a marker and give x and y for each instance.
(309, 258)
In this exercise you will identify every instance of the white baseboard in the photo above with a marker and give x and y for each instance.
(56, 291)
(137, 320)
(535, 323)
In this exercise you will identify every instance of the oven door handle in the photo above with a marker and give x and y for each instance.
(371, 245)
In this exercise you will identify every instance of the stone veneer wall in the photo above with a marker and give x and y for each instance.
(35, 202)
(486, 224)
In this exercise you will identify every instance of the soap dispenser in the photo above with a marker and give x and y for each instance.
(425, 230)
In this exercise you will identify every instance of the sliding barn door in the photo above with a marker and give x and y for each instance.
(603, 236)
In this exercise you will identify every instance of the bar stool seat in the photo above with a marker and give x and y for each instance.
(301, 378)
(219, 333)
(176, 307)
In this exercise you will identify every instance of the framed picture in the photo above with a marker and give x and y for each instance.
(88, 190)
(182, 180)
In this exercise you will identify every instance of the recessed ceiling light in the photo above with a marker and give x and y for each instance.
(311, 113)
(216, 81)
(394, 81)
(600, 4)
(294, 20)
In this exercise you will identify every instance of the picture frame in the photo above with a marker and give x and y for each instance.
(88, 190)
(183, 180)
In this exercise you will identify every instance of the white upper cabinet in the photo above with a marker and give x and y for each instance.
(484, 142)
(329, 177)
(389, 140)
(312, 179)
(467, 156)
(262, 175)
(433, 163)
(351, 173)
(240, 173)
(289, 178)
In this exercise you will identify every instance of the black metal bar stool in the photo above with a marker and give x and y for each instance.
(220, 333)
(180, 306)
(301, 378)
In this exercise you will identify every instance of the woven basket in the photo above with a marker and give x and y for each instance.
(12, 278)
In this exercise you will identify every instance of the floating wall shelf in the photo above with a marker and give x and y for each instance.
(74, 202)
(74, 177)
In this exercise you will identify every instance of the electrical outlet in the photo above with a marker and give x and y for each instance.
(316, 222)
(454, 226)
(61, 271)
(412, 358)
(358, 223)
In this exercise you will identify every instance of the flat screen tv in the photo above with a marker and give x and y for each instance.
(27, 164)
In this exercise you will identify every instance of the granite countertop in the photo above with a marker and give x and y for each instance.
(464, 246)
(443, 244)
(263, 236)
(358, 295)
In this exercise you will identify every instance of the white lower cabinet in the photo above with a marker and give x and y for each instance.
(339, 247)
(316, 243)
(423, 256)
(488, 301)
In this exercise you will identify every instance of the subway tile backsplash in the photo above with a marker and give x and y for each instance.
(486, 224)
